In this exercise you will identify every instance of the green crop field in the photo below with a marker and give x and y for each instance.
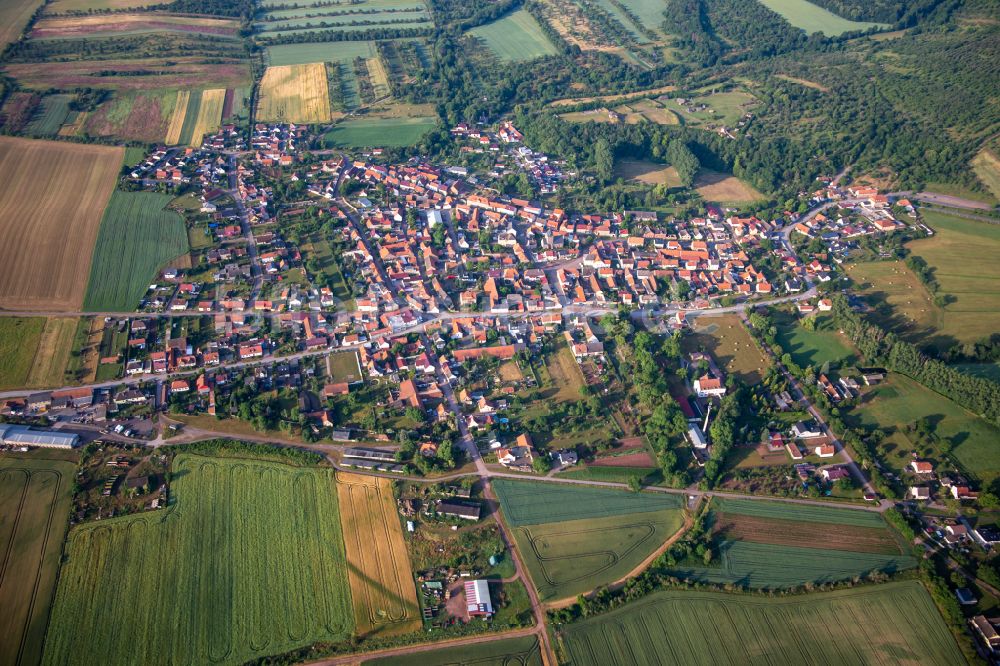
(503, 652)
(303, 54)
(533, 502)
(19, 338)
(900, 401)
(814, 348)
(649, 475)
(570, 557)
(813, 18)
(650, 12)
(137, 238)
(53, 113)
(379, 132)
(35, 494)
(888, 624)
(515, 37)
(776, 544)
(249, 561)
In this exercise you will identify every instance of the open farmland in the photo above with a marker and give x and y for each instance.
(900, 301)
(986, 164)
(160, 73)
(294, 93)
(303, 54)
(534, 502)
(892, 623)
(648, 173)
(52, 353)
(136, 115)
(49, 229)
(19, 337)
(570, 557)
(35, 494)
(104, 25)
(777, 544)
(248, 561)
(728, 341)
(724, 188)
(813, 18)
(901, 401)
(63, 6)
(502, 652)
(50, 117)
(367, 132)
(138, 237)
(203, 114)
(15, 15)
(516, 37)
(382, 587)
(962, 254)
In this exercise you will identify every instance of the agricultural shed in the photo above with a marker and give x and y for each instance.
(477, 598)
(466, 510)
(24, 436)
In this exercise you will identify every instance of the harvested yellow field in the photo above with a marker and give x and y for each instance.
(724, 188)
(177, 119)
(295, 94)
(52, 355)
(51, 203)
(379, 77)
(209, 114)
(382, 587)
(987, 167)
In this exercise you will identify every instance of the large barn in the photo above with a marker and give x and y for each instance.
(477, 598)
(15, 435)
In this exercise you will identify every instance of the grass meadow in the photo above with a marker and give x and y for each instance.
(303, 54)
(35, 500)
(379, 132)
(19, 338)
(137, 238)
(900, 401)
(816, 347)
(891, 623)
(248, 561)
(570, 557)
(728, 341)
(986, 164)
(516, 37)
(813, 18)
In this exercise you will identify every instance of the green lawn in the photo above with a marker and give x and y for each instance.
(571, 557)
(900, 401)
(137, 238)
(886, 624)
(247, 562)
(813, 18)
(19, 338)
(35, 500)
(814, 348)
(502, 652)
(516, 37)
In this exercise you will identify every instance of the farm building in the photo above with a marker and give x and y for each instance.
(13, 435)
(477, 598)
(370, 454)
(466, 510)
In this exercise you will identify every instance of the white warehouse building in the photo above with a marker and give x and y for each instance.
(17, 435)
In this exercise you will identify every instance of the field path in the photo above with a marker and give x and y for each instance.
(425, 647)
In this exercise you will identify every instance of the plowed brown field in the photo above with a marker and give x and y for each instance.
(778, 532)
(51, 202)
